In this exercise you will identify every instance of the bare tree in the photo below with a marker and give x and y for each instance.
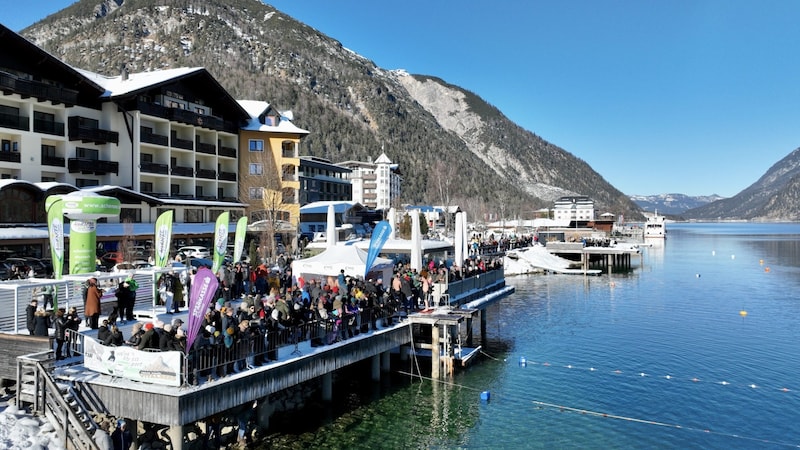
(441, 185)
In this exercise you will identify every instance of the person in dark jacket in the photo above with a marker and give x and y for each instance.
(122, 437)
(103, 331)
(41, 323)
(73, 323)
(136, 334)
(126, 298)
(150, 339)
(30, 315)
(60, 325)
(114, 337)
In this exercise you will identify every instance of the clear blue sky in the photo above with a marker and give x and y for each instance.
(682, 96)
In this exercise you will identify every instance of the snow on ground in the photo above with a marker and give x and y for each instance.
(20, 430)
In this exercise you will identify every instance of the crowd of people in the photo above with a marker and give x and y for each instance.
(259, 309)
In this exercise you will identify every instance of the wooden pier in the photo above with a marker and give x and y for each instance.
(593, 257)
(446, 333)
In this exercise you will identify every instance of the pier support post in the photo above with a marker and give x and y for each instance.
(386, 364)
(435, 363)
(376, 367)
(263, 413)
(483, 326)
(469, 332)
(404, 351)
(175, 434)
(327, 387)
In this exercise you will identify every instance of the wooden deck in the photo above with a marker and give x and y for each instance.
(180, 406)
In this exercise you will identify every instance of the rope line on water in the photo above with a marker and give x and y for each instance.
(588, 412)
(640, 374)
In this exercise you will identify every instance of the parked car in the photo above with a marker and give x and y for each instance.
(194, 263)
(111, 258)
(194, 251)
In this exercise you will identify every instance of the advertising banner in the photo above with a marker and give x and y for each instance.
(220, 241)
(163, 238)
(380, 235)
(204, 287)
(238, 239)
(127, 362)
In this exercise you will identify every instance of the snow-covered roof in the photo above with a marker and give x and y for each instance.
(322, 207)
(256, 108)
(116, 86)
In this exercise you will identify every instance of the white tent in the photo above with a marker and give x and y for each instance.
(349, 258)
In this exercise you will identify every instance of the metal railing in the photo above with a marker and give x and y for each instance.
(262, 344)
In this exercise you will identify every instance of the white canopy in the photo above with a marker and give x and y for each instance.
(349, 258)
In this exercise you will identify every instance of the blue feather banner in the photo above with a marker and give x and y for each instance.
(379, 237)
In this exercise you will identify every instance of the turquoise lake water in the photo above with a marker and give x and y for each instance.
(660, 357)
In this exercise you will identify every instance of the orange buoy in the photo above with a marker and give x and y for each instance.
(766, 269)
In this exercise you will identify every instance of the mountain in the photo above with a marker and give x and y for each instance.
(452, 147)
(672, 204)
(774, 197)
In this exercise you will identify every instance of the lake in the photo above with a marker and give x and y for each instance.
(696, 347)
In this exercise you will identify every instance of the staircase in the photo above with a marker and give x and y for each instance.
(59, 402)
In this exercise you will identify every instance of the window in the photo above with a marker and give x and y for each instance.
(145, 186)
(256, 169)
(256, 193)
(191, 215)
(83, 182)
(147, 158)
(87, 153)
(44, 117)
(256, 145)
(133, 215)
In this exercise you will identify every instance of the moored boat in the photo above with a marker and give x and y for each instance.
(655, 227)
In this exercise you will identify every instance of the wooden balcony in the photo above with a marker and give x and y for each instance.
(10, 157)
(207, 173)
(182, 143)
(85, 130)
(48, 127)
(10, 84)
(95, 166)
(151, 167)
(149, 137)
(14, 121)
(192, 118)
(182, 171)
(53, 161)
(227, 176)
(184, 116)
(230, 152)
(209, 149)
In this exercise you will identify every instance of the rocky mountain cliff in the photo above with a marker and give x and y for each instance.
(452, 147)
(774, 197)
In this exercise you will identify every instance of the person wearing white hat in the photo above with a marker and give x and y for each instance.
(122, 438)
